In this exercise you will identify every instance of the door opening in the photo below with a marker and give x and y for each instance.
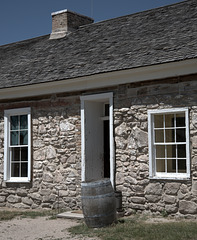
(97, 137)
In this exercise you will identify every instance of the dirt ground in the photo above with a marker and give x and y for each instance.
(41, 228)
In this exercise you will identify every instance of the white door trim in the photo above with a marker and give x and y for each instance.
(98, 98)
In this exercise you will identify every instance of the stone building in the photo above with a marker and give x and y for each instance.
(114, 99)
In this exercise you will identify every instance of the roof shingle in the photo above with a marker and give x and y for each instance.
(156, 36)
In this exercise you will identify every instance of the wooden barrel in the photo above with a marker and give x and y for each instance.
(98, 203)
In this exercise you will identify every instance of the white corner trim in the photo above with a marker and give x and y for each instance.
(160, 71)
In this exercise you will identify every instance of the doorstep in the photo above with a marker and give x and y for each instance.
(71, 215)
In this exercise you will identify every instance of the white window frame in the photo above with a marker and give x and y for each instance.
(152, 169)
(7, 167)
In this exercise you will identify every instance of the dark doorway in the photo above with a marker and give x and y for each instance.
(106, 149)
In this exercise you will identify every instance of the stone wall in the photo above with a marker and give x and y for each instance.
(140, 193)
(56, 153)
(56, 150)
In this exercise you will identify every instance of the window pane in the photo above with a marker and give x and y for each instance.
(171, 151)
(14, 138)
(181, 151)
(180, 120)
(169, 120)
(23, 169)
(182, 165)
(159, 136)
(14, 122)
(160, 151)
(15, 169)
(23, 122)
(24, 137)
(171, 165)
(15, 153)
(158, 121)
(169, 135)
(180, 135)
(24, 154)
(160, 165)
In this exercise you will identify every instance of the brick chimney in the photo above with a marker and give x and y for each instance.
(65, 21)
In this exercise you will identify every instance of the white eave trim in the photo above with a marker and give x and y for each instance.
(110, 79)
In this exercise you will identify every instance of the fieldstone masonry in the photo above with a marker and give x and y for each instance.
(175, 197)
(56, 169)
(56, 151)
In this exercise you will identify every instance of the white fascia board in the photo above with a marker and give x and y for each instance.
(110, 79)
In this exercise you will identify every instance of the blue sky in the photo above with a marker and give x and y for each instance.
(24, 19)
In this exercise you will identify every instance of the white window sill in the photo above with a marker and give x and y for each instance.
(17, 180)
(181, 177)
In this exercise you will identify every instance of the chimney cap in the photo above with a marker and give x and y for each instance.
(59, 12)
(69, 11)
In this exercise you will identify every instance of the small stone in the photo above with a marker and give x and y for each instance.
(184, 188)
(37, 165)
(138, 206)
(21, 206)
(72, 159)
(63, 193)
(66, 126)
(2, 199)
(38, 143)
(27, 201)
(172, 188)
(180, 195)
(119, 178)
(49, 198)
(44, 192)
(194, 119)
(39, 155)
(48, 177)
(13, 199)
(153, 198)
(143, 158)
(131, 180)
(50, 152)
(141, 137)
(121, 143)
(154, 189)
(143, 167)
(42, 129)
(171, 208)
(194, 142)
(51, 167)
(122, 130)
(138, 200)
(35, 196)
(169, 199)
(187, 207)
(21, 192)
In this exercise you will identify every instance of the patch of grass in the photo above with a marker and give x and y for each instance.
(35, 214)
(164, 213)
(139, 230)
(9, 214)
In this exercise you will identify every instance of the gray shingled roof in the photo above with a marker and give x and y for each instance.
(156, 36)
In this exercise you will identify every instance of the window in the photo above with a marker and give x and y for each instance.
(169, 143)
(17, 145)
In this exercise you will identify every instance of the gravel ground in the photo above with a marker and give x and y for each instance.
(41, 228)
